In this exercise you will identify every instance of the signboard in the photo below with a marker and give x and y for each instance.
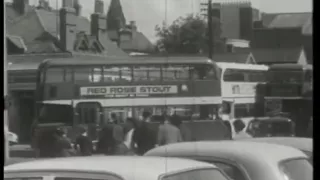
(244, 89)
(112, 91)
(239, 89)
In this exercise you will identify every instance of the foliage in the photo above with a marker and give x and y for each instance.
(188, 35)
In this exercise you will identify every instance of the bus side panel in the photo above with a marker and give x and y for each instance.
(200, 130)
(207, 88)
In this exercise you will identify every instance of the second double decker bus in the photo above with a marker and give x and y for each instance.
(241, 89)
(86, 90)
(289, 90)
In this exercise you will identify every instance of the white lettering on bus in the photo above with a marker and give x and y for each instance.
(118, 90)
(157, 89)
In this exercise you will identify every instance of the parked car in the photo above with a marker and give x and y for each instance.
(113, 168)
(243, 160)
(303, 144)
(271, 127)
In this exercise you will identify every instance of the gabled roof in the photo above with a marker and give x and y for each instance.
(289, 20)
(238, 57)
(138, 43)
(278, 55)
(40, 22)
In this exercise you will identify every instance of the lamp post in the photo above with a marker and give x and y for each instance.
(5, 91)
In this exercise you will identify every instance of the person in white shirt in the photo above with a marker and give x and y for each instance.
(239, 128)
(130, 128)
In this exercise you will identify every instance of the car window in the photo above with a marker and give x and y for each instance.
(202, 174)
(297, 169)
(232, 171)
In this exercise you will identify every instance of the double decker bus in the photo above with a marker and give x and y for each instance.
(289, 90)
(85, 90)
(242, 89)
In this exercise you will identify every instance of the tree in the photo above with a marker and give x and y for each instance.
(189, 35)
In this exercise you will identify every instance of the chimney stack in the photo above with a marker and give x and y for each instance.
(67, 3)
(98, 7)
(77, 6)
(133, 25)
(44, 4)
(98, 20)
(67, 28)
(246, 21)
(21, 6)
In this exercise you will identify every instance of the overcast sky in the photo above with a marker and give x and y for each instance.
(149, 13)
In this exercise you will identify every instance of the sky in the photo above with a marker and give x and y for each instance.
(149, 13)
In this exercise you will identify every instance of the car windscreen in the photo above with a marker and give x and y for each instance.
(297, 169)
(202, 174)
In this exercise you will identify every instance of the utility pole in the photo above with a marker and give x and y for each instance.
(210, 30)
(5, 91)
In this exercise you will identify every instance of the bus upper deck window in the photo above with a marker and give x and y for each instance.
(111, 74)
(54, 75)
(154, 73)
(140, 73)
(175, 72)
(126, 74)
(83, 74)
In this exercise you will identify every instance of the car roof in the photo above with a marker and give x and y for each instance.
(238, 150)
(124, 166)
(304, 144)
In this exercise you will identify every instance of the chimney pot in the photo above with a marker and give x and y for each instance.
(98, 7)
(67, 3)
(133, 25)
(21, 6)
(77, 6)
(67, 28)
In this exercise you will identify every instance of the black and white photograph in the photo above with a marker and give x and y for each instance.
(158, 89)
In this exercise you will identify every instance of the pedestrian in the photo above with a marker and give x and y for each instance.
(106, 140)
(144, 136)
(45, 138)
(130, 128)
(239, 128)
(169, 133)
(62, 144)
(83, 143)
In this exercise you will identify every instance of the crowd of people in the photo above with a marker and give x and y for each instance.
(135, 137)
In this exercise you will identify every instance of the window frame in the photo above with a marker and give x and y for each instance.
(52, 174)
(234, 70)
(163, 176)
(213, 160)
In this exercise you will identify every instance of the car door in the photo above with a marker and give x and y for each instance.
(234, 170)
